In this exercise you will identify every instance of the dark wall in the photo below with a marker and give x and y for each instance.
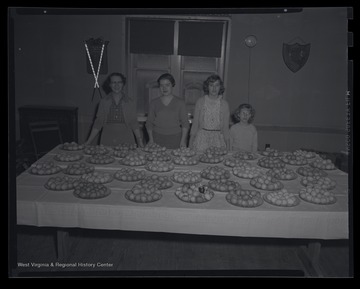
(303, 109)
(306, 108)
(50, 61)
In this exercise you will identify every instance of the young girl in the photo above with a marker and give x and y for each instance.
(243, 134)
(211, 117)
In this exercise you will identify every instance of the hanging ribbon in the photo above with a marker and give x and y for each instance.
(96, 75)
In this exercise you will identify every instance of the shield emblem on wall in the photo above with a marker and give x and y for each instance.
(295, 55)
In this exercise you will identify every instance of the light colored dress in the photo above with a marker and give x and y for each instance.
(210, 134)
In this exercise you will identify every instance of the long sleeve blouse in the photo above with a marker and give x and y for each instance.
(129, 112)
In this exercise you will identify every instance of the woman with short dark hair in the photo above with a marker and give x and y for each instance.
(167, 122)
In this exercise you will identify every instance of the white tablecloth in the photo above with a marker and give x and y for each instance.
(38, 206)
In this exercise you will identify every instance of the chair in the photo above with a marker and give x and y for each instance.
(45, 135)
(153, 90)
(192, 92)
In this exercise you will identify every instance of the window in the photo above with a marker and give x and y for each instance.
(202, 39)
(190, 49)
(152, 37)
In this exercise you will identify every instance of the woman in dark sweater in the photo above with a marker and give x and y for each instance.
(116, 115)
(167, 123)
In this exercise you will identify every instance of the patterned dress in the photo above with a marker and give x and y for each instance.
(210, 134)
(115, 130)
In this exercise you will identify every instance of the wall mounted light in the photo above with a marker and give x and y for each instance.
(250, 41)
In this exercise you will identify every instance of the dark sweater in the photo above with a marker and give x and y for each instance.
(167, 119)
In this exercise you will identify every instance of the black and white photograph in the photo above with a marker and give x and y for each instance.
(187, 142)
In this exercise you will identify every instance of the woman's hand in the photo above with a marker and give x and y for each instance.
(140, 142)
(191, 142)
(183, 144)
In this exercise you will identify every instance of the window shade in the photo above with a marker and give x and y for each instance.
(200, 38)
(152, 37)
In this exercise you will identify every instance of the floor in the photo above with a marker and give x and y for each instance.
(142, 254)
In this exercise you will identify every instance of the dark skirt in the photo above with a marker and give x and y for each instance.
(171, 141)
(114, 134)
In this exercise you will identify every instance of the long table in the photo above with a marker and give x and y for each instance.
(37, 206)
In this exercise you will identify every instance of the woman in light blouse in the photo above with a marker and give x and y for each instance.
(211, 117)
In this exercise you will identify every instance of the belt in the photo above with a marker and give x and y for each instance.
(211, 129)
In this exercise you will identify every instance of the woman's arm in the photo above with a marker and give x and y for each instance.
(184, 134)
(255, 142)
(226, 121)
(231, 139)
(150, 122)
(195, 122)
(139, 138)
(184, 122)
(93, 134)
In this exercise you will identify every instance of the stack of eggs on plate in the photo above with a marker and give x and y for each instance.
(265, 182)
(159, 166)
(215, 173)
(61, 183)
(98, 177)
(271, 162)
(186, 177)
(100, 159)
(129, 175)
(96, 150)
(185, 161)
(183, 152)
(247, 172)
(72, 146)
(324, 164)
(87, 190)
(46, 168)
(244, 198)
(317, 195)
(143, 193)
(162, 182)
(134, 159)
(323, 182)
(224, 185)
(294, 160)
(78, 169)
(153, 147)
(64, 157)
(283, 174)
(194, 193)
(281, 198)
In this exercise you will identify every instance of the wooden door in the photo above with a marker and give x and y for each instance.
(191, 49)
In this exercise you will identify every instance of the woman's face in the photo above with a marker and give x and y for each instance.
(116, 84)
(165, 87)
(214, 88)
